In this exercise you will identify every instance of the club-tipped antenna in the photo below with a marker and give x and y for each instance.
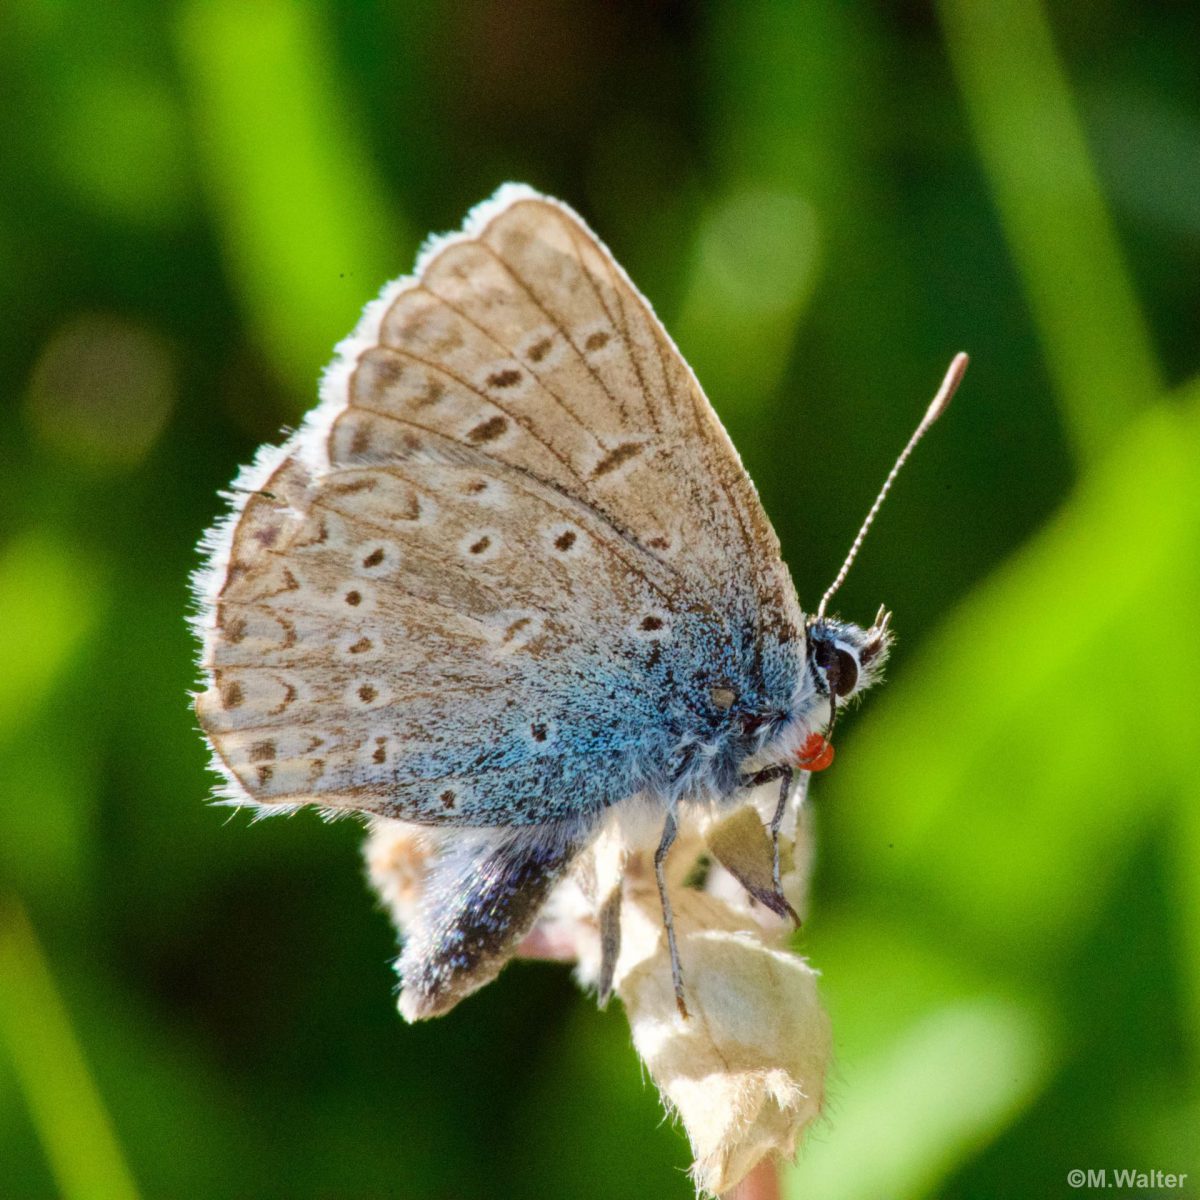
(937, 406)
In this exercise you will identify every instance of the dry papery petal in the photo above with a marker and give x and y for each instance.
(745, 1072)
(396, 852)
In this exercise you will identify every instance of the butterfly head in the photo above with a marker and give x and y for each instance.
(844, 659)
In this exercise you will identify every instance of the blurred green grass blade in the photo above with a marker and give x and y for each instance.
(1004, 780)
(119, 140)
(111, 135)
(754, 269)
(786, 99)
(923, 1106)
(47, 811)
(786, 95)
(51, 596)
(885, 983)
(590, 1068)
(1186, 842)
(1094, 336)
(64, 1103)
(1186, 878)
(871, 950)
(306, 228)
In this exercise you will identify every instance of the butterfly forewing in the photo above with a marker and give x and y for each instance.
(442, 600)
(528, 341)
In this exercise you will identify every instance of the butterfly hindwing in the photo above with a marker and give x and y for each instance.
(481, 895)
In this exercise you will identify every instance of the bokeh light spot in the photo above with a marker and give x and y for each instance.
(101, 391)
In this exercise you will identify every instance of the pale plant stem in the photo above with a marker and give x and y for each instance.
(761, 1184)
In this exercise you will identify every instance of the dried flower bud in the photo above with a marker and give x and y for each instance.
(745, 1072)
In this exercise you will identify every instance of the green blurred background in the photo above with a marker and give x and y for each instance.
(824, 201)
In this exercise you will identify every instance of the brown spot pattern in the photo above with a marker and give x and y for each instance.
(361, 646)
(615, 457)
(505, 378)
(565, 540)
(387, 370)
(487, 431)
(262, 752)
(318, 538)
(435, 389)
(374, 558)
(289, 694)
(354, 599)
(366, 693)
(596, 341)
(351, 486)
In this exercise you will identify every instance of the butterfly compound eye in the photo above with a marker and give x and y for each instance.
(844, 677)
(824, 653)
(840, 667)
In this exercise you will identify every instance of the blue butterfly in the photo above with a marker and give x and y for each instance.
(509, 574)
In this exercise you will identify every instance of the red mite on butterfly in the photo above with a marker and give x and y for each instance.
(816, 754)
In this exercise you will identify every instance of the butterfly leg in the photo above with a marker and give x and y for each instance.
(610, 945)
(483, 893)
(785, 791)
(776, 901)
(668, 839)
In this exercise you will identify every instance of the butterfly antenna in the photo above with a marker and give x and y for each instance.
(937, 406)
